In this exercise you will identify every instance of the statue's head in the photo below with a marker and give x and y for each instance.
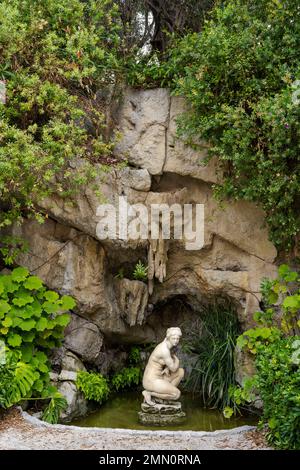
(173, 335)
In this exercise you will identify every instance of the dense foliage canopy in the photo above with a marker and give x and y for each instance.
(59, 61)
(275, 345)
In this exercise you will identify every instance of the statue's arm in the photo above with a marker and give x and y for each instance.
(172, 363)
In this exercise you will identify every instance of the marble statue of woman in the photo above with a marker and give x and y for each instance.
(162, 373)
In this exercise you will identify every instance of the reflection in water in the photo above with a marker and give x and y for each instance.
(121, 412)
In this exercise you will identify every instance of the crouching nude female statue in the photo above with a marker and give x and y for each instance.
(162, 373)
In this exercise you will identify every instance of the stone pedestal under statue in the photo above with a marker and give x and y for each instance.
(162, 413)
(161, 377)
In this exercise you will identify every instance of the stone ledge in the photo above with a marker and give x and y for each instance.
(62, 427)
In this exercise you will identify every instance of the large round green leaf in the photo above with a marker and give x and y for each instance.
(22, 299)
(19, 274)
(27, 325)
(62, 320)
(33, 283)
(14, 339)
(41, 324)
(7, 322)
(51, 296)
(67, 302)
(4, 307)
(49, 307)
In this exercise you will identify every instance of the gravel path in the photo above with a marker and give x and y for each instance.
(19, 430)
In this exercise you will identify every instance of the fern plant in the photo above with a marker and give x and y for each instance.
(93, 386)
(16, 379)
(140, 272)
(57, 404)
(16, 382)
(134, 355)
(20, 387)
(126, 378)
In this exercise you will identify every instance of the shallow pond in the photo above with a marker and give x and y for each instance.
(121, 412)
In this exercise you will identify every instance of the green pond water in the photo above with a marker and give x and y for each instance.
(121, 412)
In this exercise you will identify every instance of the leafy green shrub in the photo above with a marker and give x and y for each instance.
(93, 386)
(278, 383)
(240, 76)
(56, 404)
(31, 324)
(130, 376)
(275, 319)
(30, 315)
(242, 397)
(11, 247)
(55, 59)
(16, 379)
(213, 343)
(16, 382)
(140, 272)
(254, 337)
(134, 355)
(277, 361)
(240, 85)
(286, 290)
(126, 378)
(96, 387)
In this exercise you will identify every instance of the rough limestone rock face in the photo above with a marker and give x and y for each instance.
(148, 124)
(182, 159)
(136, 179)
(133, 300)
(65, 382)
(144, 124)
(71, 257)
(83, 338)
(75, 262)
(71, 362)
(77, 404)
